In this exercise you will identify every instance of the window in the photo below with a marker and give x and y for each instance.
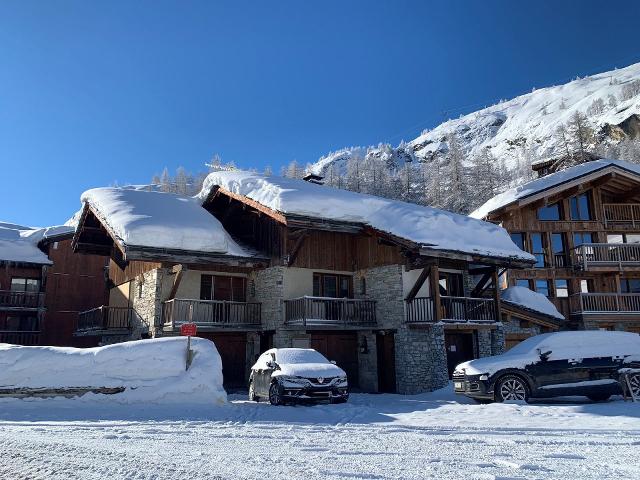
(331, 285)
(630, 285)
(558, 247)
(562, 288)
(451, 284)
(583, 237)
(623, 238)
(523, 282)
(550, 212)
(537, 249)
(586, 286)
(25, 285)
(518, 239)
(219, 287)
(542, 287)
(581, 207)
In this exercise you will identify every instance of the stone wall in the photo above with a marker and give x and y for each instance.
(384, 285)
(368, 363)
(146, 300)
(267, 287)
(421, 361)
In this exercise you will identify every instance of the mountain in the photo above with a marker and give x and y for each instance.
(522, 129)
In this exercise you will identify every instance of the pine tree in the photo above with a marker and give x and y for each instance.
(582, 135)
(165, 181)
(181, 185)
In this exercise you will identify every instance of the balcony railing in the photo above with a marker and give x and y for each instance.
(453, 309)
(104, 320)
(617, 214)
(606, 255)
(20, 337)
(210, 313)
(11, 299)
(623, 303)
(325, 311)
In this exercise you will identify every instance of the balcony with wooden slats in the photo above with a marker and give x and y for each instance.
(14, 300)
(452, 309)
(606, 256)
(621, 215)
(211, 314)
(105, 320)
(605, 303)
(327, 312)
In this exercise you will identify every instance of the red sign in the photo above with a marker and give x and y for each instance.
(188, 329)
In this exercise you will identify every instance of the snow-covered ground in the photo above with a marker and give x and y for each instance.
(373, 436)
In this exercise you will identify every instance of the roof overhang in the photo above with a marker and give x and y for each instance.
(506, 262)
(530, 315)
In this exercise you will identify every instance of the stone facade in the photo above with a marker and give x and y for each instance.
(421, 361)
(368, 362)
(267, 287)
(490, 342)
(147, 301)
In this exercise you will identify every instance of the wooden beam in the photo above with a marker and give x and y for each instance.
(424, 274)
(291, 256)
(496, 295)
(277, 216)
(176, 281)
(482, 285)
(434, 284)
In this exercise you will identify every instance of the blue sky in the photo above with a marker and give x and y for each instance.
(93, 93)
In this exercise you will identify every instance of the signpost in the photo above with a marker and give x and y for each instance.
(189, 330)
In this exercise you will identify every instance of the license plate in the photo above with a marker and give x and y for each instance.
(457, 385)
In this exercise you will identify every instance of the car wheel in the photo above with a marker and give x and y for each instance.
(275, 394)
(511, 387)
(634, 383)
(599, 397)
(252, 393)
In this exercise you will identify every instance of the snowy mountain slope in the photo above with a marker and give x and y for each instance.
(610, 100)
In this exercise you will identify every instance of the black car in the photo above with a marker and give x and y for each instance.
(554, 364)
(287, 375)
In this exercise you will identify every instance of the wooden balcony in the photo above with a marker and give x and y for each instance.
(20, 337)
(618, 215)
(21, 300)
(330, 312)
(453, 309)
(211, 314)
(605, 303)
(606, 256)
(107, 321)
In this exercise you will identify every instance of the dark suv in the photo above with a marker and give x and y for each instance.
(554, 364)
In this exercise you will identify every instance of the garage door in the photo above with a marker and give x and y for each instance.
(233, 351)
(342, 348)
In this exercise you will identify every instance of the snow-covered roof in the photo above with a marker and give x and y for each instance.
(550, 181)
(530, 300)
(160, 220)
(20, 244)
(425, 226)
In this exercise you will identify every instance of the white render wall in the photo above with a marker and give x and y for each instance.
(298, 282)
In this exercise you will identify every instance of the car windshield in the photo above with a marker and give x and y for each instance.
(299, 355)
(527, 346)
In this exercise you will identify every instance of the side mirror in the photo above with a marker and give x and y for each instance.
(333, 362)
(544, 355)
(271, 365)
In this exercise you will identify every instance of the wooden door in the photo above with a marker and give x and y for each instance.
(341, 348)
(459, 347)
(232, 348)
(385, 347)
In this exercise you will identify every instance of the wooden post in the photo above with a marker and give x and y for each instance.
(434, 284)
(496, 295)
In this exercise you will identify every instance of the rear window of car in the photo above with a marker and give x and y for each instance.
(296, 355)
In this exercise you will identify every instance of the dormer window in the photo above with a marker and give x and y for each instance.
(550, 212)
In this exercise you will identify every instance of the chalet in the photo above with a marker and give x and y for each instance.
(43, 285)
(396, 293)
(582, 225)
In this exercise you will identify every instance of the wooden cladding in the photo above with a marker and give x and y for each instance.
(119, 275)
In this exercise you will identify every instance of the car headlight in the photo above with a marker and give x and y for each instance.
(297, 380)
(340, 380)
(484, 376)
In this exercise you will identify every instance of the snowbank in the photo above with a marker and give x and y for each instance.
(152, 371)
(422, 225)
(530, 300)
(547, 182)
(160, 220)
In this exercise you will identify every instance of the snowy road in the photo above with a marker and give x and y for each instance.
(383, 436)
